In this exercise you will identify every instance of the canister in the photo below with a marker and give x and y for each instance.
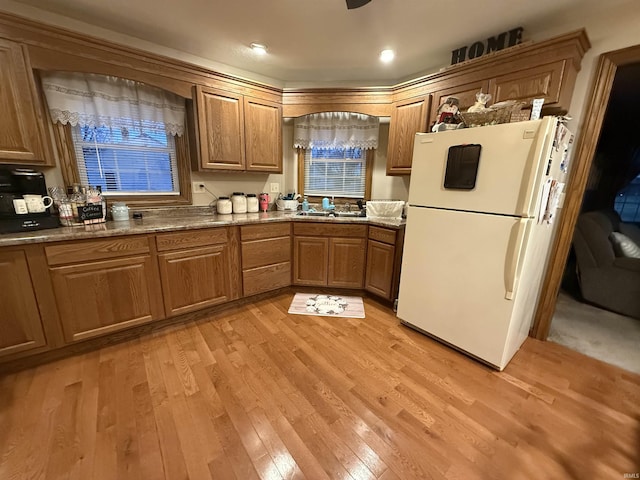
(252, 203)
(223, 206)
(119, 212)
(239, 202)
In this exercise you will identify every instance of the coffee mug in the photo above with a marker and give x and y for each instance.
(37, 203)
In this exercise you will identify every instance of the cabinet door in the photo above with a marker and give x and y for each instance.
(380, 262)
(106, 296)
(346, 262)
(466, 95)
(263, 135)
(310, 260)
(20, 325)
(194, 279)
(220, 129)
(23, 137)
(543, 81)
(407, 118)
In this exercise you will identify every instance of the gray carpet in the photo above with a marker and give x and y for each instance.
(600, 334)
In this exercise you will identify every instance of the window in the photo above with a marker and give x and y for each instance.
(335, 153)
(127, 137)
(126, 161)
(627, 202)
(339, 172)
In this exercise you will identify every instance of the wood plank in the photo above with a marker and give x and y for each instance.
(253, 392)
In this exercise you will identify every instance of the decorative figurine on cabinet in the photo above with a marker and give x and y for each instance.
(447, 116)
(481, 102)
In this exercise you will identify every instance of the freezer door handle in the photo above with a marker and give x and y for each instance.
(515, 252)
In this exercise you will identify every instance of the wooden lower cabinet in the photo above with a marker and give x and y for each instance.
(101, 297)
(380, 264)
(346, 262)
(194, 279)
(20, 323)
(329, 255)
(198, 268)
(384, 258)
(310, 260)
(266, 257)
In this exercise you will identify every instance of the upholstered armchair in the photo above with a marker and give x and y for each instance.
(607, 276)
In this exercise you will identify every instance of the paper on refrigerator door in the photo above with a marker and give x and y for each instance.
(544, 201)
(551, 194)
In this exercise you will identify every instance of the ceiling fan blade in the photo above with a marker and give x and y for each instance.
(351, 4)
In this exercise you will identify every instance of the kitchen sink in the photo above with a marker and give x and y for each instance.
(314, 214)
(348, 214)
(330, 214)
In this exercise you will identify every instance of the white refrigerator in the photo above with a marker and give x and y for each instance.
(481, 217)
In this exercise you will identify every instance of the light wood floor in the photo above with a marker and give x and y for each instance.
(256, 393)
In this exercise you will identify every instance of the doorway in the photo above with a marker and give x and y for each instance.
(608, 65)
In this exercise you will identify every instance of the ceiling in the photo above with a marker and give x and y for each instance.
(320, 42)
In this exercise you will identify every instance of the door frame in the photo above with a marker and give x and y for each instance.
(586, 148)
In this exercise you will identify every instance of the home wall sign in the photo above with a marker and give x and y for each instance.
(492, 44)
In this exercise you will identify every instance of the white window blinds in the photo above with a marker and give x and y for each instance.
(336, 172)
(127, 162)
(335, 159)
(123, 131)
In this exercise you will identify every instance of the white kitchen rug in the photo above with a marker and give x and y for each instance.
(327, 305)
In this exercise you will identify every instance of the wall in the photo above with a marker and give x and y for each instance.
(385, 187)
(611, 27)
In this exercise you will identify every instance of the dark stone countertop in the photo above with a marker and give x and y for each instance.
(175, 219)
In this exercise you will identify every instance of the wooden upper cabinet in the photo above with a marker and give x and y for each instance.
(263, 135)
(407, 118)
(220, 118)
(237, 132)
(23, 136)
(20, 322)
(543, 81)
(466, 95)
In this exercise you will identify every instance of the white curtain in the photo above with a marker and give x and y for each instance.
(88, 99)
(336, 130)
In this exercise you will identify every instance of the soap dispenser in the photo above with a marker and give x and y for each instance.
(305, 204)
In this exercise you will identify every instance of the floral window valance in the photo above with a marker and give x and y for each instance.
(336, 130)
(87, 99)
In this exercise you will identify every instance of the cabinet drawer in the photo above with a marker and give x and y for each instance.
(257, 232)
(192, 238)
(383, 235)
(96, 250)
(258, 253)
(329, 230)
(263, 279)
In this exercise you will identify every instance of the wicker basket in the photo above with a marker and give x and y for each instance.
(498, 113)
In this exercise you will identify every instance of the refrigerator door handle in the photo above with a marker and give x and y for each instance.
(515, 252)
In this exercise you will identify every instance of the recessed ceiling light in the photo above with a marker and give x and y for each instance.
(387, 55)
(259, 48)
